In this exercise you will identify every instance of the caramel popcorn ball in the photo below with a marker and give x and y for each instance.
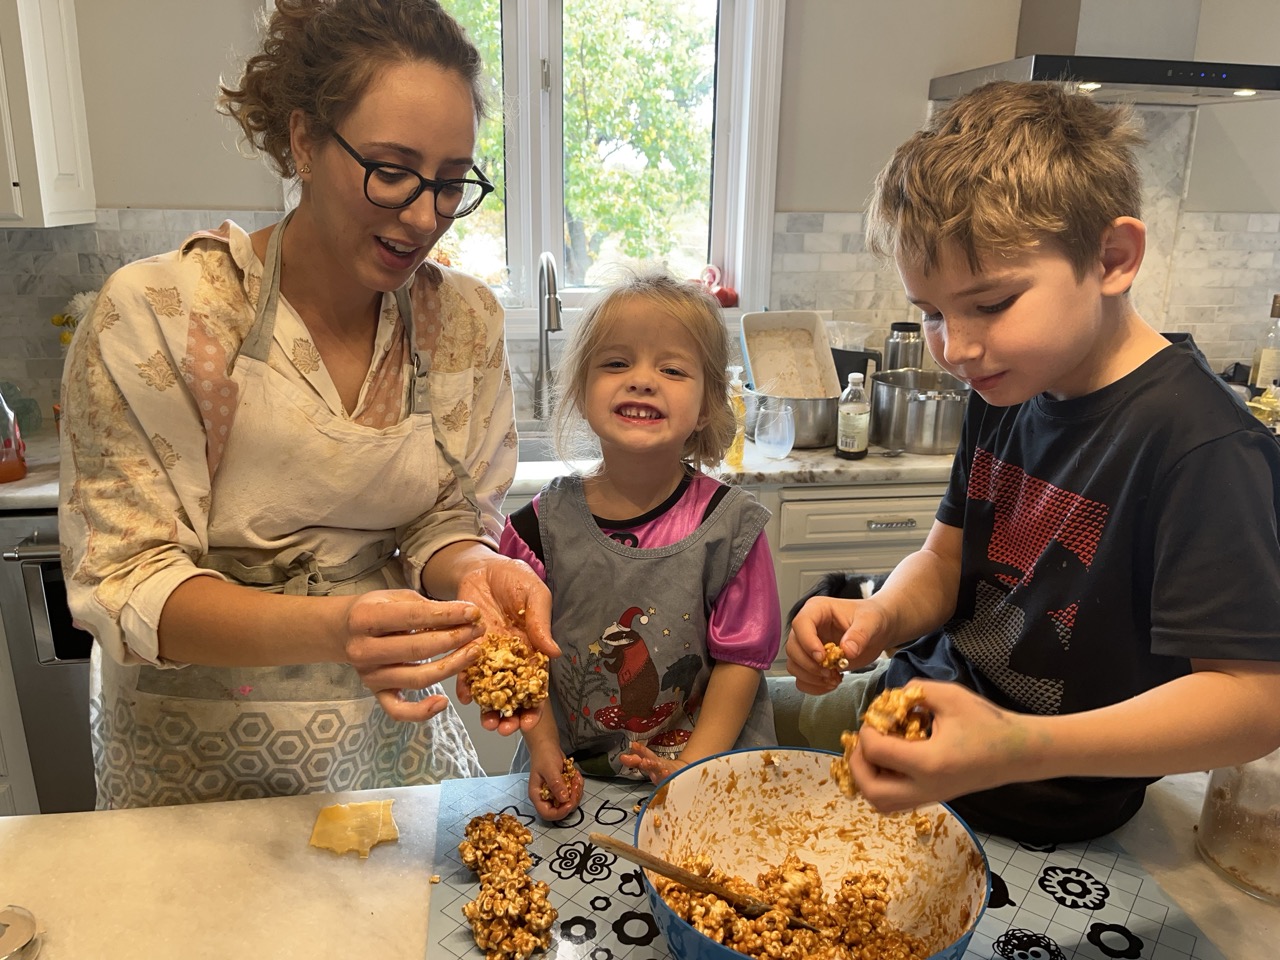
(853, 924)
(900, 712)
(568, 771)
(511, 917)
(833, 658)
(508, 676)
(496, 844)
(840, 765)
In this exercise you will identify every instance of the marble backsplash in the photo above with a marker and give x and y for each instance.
(1210, 274)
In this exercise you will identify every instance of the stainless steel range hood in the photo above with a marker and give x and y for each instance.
(1131, 80)
(1138, 51)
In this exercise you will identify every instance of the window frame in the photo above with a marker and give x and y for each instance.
(744, 166)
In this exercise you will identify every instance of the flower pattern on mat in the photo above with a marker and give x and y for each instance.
(1074, 887)
(584, 860)
(1104, 937)
(1018, 944)
(642, 937)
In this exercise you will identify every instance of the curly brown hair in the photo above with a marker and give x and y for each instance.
(1004, 168)
(699, 313)
(319, 56)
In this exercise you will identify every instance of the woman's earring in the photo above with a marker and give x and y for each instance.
(306, 168)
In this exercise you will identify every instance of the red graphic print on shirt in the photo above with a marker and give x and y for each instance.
(1018, 636)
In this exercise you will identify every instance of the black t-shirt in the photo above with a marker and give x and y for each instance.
(1107, 539)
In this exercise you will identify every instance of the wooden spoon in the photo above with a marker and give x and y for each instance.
(746, 905)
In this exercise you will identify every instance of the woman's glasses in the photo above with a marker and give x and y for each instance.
(392, 186)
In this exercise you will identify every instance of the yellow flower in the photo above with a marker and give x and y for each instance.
(65, 338)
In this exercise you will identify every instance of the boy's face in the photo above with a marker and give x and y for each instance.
(1021, 326)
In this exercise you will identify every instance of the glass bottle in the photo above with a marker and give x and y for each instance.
(13, 461)
(733, 456)
(1266, 358)
(853, 427)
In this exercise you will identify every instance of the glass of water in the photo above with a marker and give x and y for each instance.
(775, 431)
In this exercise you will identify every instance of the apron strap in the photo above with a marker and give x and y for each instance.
(257, 345)
(420, 398)
(298, 571)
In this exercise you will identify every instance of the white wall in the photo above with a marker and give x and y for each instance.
(1236, 163)
(151, 70)
(855, 82)
(855, 76)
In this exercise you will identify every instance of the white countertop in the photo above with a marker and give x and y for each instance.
(238, 879)
(38, 490)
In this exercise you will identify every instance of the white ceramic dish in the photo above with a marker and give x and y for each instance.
(787, 354)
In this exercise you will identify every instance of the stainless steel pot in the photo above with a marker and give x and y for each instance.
(920, 411)
(815, 417)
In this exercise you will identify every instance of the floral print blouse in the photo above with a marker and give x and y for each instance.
(152, 396)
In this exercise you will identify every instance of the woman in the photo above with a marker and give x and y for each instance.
(273, 441)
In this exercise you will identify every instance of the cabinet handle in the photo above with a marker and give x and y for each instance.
(903, 523)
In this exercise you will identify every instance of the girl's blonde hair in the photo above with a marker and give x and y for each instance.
(319, 56)
(699, 313)
(1003, 169)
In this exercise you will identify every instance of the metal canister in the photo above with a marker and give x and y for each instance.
(903, 347)
(919, 411)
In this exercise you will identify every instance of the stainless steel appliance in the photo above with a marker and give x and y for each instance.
(1139, 51)
(50, 660)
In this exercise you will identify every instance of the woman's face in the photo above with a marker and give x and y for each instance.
(417, 115)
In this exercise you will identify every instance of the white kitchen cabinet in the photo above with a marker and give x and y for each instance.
(46, 179)
(863, 529)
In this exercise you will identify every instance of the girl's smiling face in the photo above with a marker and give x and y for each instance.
(645, 384)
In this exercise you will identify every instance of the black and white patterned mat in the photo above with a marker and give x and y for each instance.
(1079, 901)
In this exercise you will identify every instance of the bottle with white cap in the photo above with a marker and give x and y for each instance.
(853, 425)
(1266, 358)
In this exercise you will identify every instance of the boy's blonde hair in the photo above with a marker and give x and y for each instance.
(698, 312)
(1004, 168)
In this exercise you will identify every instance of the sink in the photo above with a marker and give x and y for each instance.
(535, 447)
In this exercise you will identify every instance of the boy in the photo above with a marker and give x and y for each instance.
(1098, 602)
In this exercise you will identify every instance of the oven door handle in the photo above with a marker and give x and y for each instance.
(31, 549)
(29, 554)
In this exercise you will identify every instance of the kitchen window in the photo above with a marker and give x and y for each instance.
(621, 133)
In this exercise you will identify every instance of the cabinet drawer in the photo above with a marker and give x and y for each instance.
(797, 574)
(843, 522)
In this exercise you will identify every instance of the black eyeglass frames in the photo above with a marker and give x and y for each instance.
(392, 186)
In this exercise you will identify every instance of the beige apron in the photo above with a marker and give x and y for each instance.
(194, 734)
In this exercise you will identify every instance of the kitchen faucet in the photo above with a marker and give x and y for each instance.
(548, 322)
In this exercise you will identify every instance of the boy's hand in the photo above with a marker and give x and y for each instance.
(546, 771)
(639, 757)
(855, 625)
(974, 745)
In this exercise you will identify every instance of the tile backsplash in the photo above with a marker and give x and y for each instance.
(1212, 274)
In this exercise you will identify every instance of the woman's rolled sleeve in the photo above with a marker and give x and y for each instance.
(130, 436)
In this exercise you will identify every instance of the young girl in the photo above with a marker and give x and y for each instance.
(663, 592)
